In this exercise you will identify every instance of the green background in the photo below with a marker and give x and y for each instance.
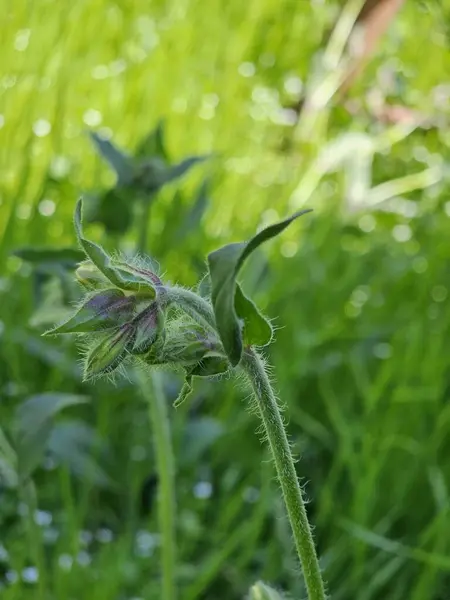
(358, 292)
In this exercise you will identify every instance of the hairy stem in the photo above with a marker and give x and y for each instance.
(252, 364)
(269, 410)
(166, 479)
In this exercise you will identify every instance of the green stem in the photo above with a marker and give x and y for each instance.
(269, 410)
(252, 364)
(166, 480)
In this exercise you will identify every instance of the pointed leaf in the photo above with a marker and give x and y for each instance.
(117, 276)
(181, 168)
(155, 173)
(234, 311)
(153, 143)
(185, 391)
(103, 310)
(256, 330)
(121, 163)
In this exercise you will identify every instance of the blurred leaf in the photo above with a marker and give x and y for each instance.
(154, 174)
(8, 475)
(153, 143)
(233, 310)
(113, 209)
(180, 169)
(33, 425)
(121, 163)
(192, 219)
(73, 442)
(62, 256)
(103, 310)
(150, 175)
(8, 463)
(46, 352)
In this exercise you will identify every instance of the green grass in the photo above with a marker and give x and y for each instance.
(362, 348)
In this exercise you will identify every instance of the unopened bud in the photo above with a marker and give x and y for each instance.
(111, 351)
(186, 346)
(149, 328)
(261, 591)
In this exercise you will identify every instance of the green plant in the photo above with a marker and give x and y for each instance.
(130, 314)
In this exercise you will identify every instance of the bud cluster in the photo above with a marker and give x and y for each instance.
(117, 324)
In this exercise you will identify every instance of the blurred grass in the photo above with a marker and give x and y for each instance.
(361, 298)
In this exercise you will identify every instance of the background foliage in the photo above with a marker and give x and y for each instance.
(358, 291)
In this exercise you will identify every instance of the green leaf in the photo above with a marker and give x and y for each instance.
(113, 209)
(103, 310)
(257, 330)
(59, 256)
(121, 163)
(34, 422)
(155, 173)
(181, 168)
(185, 391)
(153, 143)
(8, 463)
(209, 366)
(117, 276)
(192, 219)
(75, 443)
(238, 320)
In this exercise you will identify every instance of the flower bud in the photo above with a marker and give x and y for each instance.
(261, 591)
(186, 346)
(110, 351)
(149, 328)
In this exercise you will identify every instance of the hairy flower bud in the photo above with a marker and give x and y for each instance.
(110, 351)
(261, 591)
(186, 346)
(149, 328)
